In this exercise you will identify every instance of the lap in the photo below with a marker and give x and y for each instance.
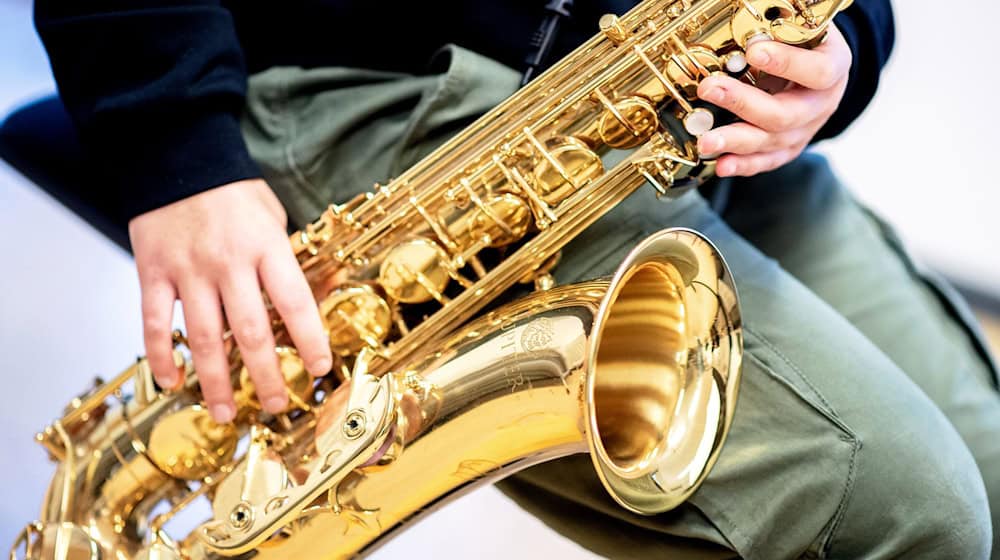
(810, 460)
(853, 261)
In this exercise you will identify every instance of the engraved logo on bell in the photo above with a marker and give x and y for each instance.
(537, 334)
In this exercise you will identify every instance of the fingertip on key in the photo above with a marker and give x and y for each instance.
(759, 56)
(276, 404)
(167, 382)
(223, 413)
(320, 367)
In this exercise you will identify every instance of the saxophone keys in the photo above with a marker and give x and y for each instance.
(628, 122)
(159, 551)
(735, 61)
(613, 29)
(298, 382)
(567, 164)
(189, 445)
(504, 219)
(415, 271)
(687, 69)
(761, 18)
(355, 317)
(57, 540)
(699, 121)
(261, 475)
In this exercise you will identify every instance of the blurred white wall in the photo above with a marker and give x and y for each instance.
(921, 155)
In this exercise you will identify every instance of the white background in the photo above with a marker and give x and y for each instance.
(924, 155)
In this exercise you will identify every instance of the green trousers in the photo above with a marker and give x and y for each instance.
(868, 418)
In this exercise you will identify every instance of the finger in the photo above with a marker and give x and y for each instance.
(158, 298)
(289, 292)
(775, 113)
(746, 166)
(744, 138)
(203, 316)
(819, 69)
(251, 325)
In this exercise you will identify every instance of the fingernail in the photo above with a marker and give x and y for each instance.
(710, 144)
(759, 57)
(758, 38)
(715, 95)
(166, 382)
(321, 367)
(223, 413)
(275, 404)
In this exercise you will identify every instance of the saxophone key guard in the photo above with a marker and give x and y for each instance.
(364, 425)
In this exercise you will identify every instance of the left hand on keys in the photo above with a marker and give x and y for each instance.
(777, 127)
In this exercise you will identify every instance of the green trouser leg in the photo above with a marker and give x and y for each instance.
(839, 448)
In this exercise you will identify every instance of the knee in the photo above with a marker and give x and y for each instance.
(917, 493)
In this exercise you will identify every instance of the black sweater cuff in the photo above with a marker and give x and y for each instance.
(186, 158)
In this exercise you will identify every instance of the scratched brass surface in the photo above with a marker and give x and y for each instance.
(641, 371)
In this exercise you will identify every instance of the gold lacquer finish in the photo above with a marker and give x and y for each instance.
(640, 370)
(187, 444)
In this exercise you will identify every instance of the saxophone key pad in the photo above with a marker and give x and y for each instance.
(355, 316)
(415, 271)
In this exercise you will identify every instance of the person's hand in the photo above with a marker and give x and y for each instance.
(778, 127)
(213, 250)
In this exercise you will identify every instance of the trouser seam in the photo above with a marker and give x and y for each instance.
(766, 342)
(730, 525)
(825, 540)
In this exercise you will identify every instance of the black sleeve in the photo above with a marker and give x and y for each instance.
(868, 27)
(155, 89)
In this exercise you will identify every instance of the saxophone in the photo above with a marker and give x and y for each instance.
(641, 370)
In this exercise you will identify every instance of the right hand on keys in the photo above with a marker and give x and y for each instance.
(216, 250)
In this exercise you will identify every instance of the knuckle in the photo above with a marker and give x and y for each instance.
(295, 304)
(826, 77)
(202, 342)
(785, 141)
(253, 335)
(783, 120)
(155, 326)
(736, 103)
(211, 257)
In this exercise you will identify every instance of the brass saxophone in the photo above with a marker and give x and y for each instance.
(640, 370)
